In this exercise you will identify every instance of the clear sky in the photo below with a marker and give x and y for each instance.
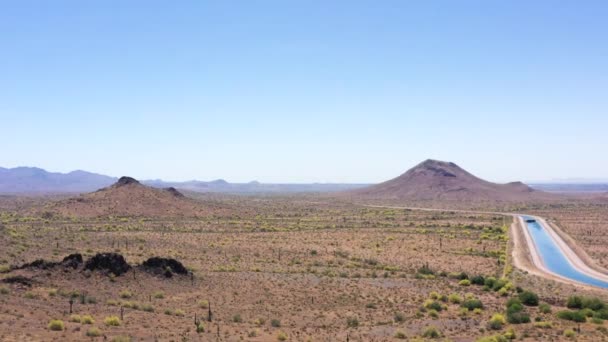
(305, 91)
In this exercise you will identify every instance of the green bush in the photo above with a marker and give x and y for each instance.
(56, 325)
(431, 332)
(275, 323)
(4, 290)
(399, 317)
(125, 294)
(464, 282)
(237, 318)
(575, 316)
(87, 319)
(455, 298)
(489, 282)
(528, 298)
(569, 333)
(478, 280)
(544, 308)
(472, 304)
(400, 335)
(497, 322)
(94, 332)
(112, 321)
(433, 305)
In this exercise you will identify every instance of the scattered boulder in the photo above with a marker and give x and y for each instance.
(72, 260)
(111, 262)
(165, 266)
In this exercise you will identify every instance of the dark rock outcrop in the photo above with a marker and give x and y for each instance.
(110, 262)
(165, 266)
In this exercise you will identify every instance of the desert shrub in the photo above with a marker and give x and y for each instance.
(434, 295)
(56, 325)
(426, 270)
(52, 292)
(569, 333)
(112, 321)
(518, 317)
(281, 336)
(575, 316)
(593, 303)
(400, 335)
(603, 314)
(587, 312)
(574, 302)
(464, 282)
(159, 295)
(121, 339)
(112, 302)
(494, 338)
(431, 332)
(260, 321)
(499, 284)
(203, 304)
(489, 282)
(352, 322)
(75, 318)
(147, 308)
(433, 305)
(370, 306)
(94, 332)
(168, 312)
(179, 312)
(237, 318)
(544, 308)
(478, 280)
(472, 304)
(275, 323)
(125, 294)
(87, 319)
(528, 298)
(544, 325)
(399, 317)
(433, 313)
(5, 268)
(4, 290)
(455, 298)
(497, 322)
(200, 328)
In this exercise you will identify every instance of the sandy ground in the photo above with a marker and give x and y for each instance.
(526, 257)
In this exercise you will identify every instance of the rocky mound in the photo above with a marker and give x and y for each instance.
(165, 266)
(434, 180)
(128, 197)
(72, 260)
(109, 262)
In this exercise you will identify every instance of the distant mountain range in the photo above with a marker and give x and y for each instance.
(33, 180)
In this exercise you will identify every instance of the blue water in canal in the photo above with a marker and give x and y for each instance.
(553, 258)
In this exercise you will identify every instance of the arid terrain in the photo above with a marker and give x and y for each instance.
(275, 268)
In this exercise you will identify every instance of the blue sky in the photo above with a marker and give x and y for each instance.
(305, 91)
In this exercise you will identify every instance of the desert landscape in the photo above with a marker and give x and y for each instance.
(137, 263)
(333, 171)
